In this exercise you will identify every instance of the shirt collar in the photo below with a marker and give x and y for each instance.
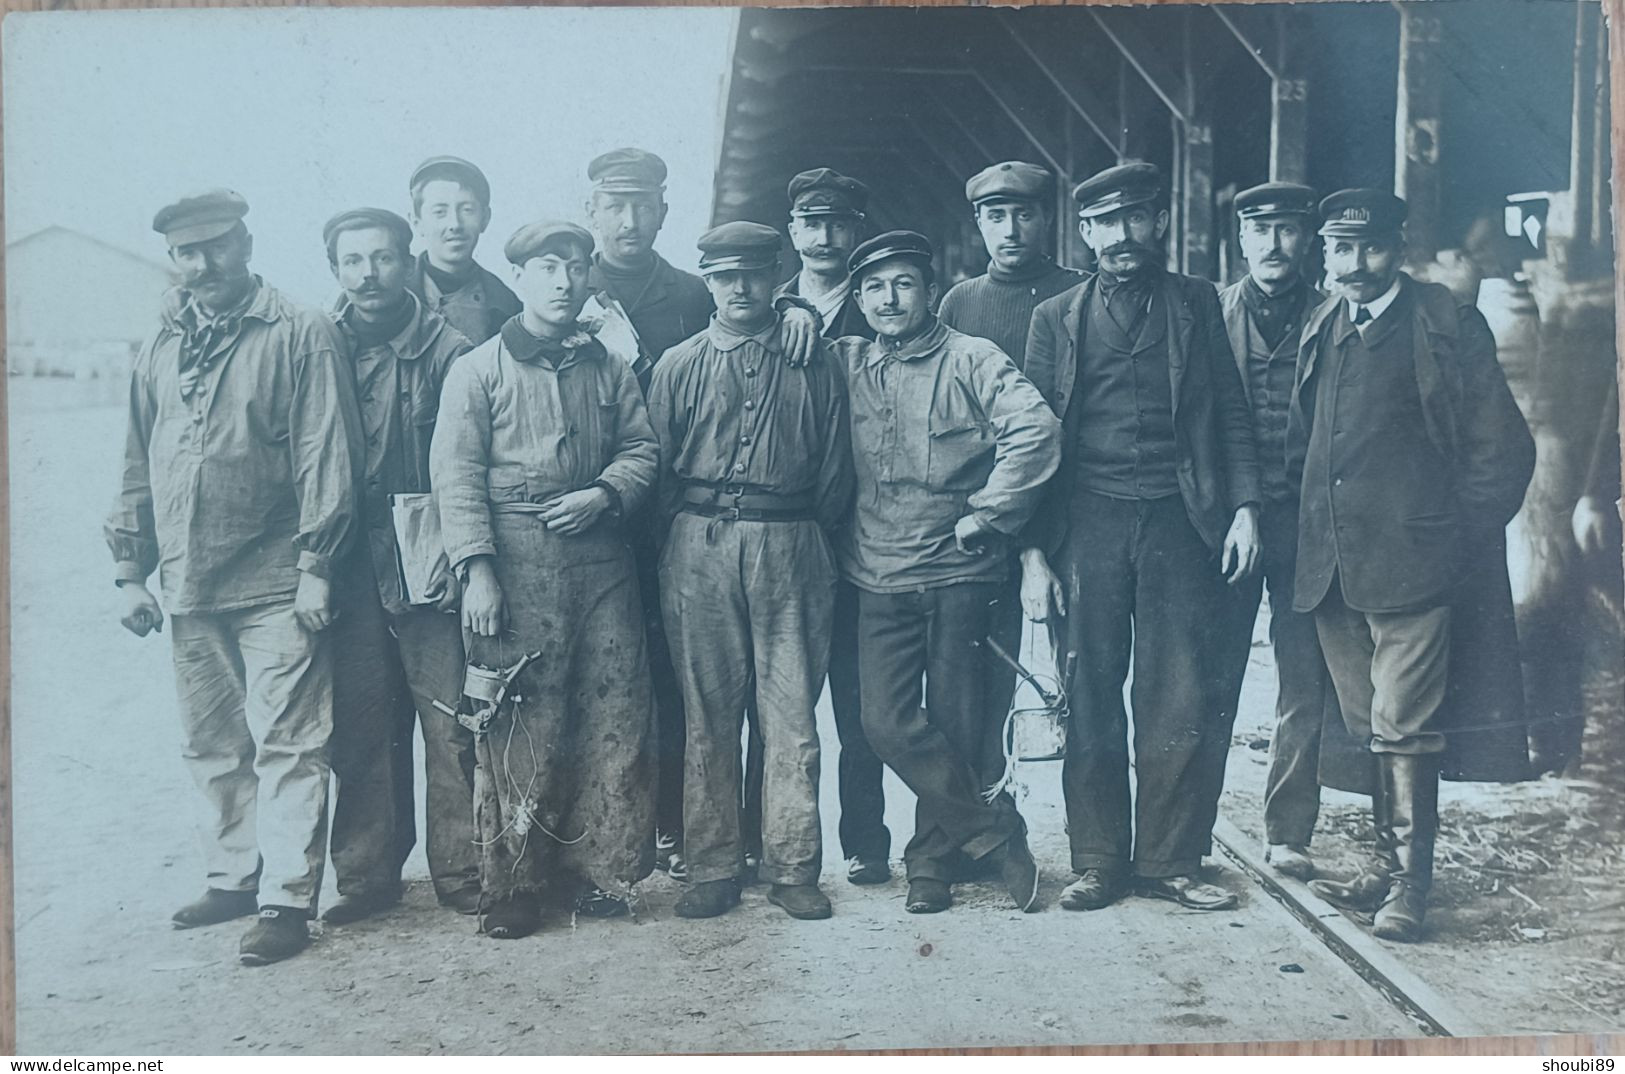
(1035, 269)
(1256, 296)
(410, 342)
(724, 338)
(1378, 306)
(529, 348)
(256, 303)
(927, 342)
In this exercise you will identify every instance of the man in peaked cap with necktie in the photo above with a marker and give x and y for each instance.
(755, 476)
(1412, 453)
(239, 488)
(451, 208)
(1264, 313)
(826, 222)
(1153, 511)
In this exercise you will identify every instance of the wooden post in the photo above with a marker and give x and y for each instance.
(1196, 163)
(1416, 125)
(1289, 104)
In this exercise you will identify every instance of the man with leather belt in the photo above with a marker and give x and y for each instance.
(755, 475)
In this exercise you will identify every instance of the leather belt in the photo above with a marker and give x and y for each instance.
(743, 505)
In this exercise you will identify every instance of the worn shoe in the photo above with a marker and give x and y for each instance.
(216, 906)
(463, 900)
(1400, 916)
(1188, 892)
(1094, 889)
(601, 903)
(712, 898)
(1292, 860)
(512, 918)
(861, 870)
(1019, 873)
(928, 897)
(357, 906)
(1364, 893)
(802, 901)
(279, 933)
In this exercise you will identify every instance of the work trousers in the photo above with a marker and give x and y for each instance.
(1292, 787)
(671, 729)
(1391, 670)
(748, 608)
(1140, 584)
(947, 753)
(256, 708)
(387, 671)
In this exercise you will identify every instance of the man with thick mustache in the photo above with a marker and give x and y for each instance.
(1154, 510)
(239, 489)
(392, 658)
(1264, 313)
(451, 208)
(1411, 450)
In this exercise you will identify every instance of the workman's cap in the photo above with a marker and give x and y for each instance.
(200, 217)
(1135, 183)
(1275, 199)
(1362, 212)
(457, 170)
(356, 219)
(826, 192)
(909, 244)
(628, 171)
(738, 247)
(1014, 180)
(545, 237)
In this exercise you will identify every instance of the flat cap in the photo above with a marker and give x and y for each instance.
(534, 240)
(909, 244)
(200, 217)
(740, 246)
(1134, 183)
(1275, 199)
(628, 171)
(456, 169)
(1012, 180)
(826, 192)
(1362, 212)
(356, 219)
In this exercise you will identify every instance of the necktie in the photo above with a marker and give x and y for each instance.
(1363, 317)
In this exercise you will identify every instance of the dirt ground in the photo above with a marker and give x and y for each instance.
(105, 851)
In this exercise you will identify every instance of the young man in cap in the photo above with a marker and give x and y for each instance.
(1155, 507)
(1013, 205)
(755, 475)
(1264, 314)
(392, 658)
(543, 447)
(451, 208)
(627, 208)
(952, 447)
(239, 488)
(1412, 452)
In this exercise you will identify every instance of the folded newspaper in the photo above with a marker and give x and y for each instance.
(604, 318)
(420, 554)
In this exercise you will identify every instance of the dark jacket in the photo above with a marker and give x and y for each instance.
(1217, 467)
(665, 308)
(1469, 417)
(478, 309)
(848, 320)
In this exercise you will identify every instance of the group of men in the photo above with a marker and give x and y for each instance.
(782, 482)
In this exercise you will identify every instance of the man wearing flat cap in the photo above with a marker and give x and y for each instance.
(952, 447)
(627, 208)
(1413, 458)
(1264, 314)
(826, 222)
(1154, 510)
(451, 208)
(755, 476)
(395, 652)
(541, 451)
(239, 488)
(1013, 204)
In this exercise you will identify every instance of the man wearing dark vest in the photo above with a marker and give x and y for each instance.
(451, 208)
(1013, 204)
(1264, 313)
(1409, 443)
(1154, 509)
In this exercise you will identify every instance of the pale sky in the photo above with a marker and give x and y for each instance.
(109, 115)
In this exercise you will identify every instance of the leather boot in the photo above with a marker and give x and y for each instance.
(1365, 892)
(1411, 782)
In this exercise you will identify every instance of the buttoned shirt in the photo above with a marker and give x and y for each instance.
(731, 414)
(1378, 306)
(943, 425)
(230, 490)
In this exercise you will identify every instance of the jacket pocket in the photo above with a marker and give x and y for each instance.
(959, 457)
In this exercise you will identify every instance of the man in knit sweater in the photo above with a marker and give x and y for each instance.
(1013, 203)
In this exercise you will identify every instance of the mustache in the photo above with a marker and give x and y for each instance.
(1127, 246)
(1357, 277)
